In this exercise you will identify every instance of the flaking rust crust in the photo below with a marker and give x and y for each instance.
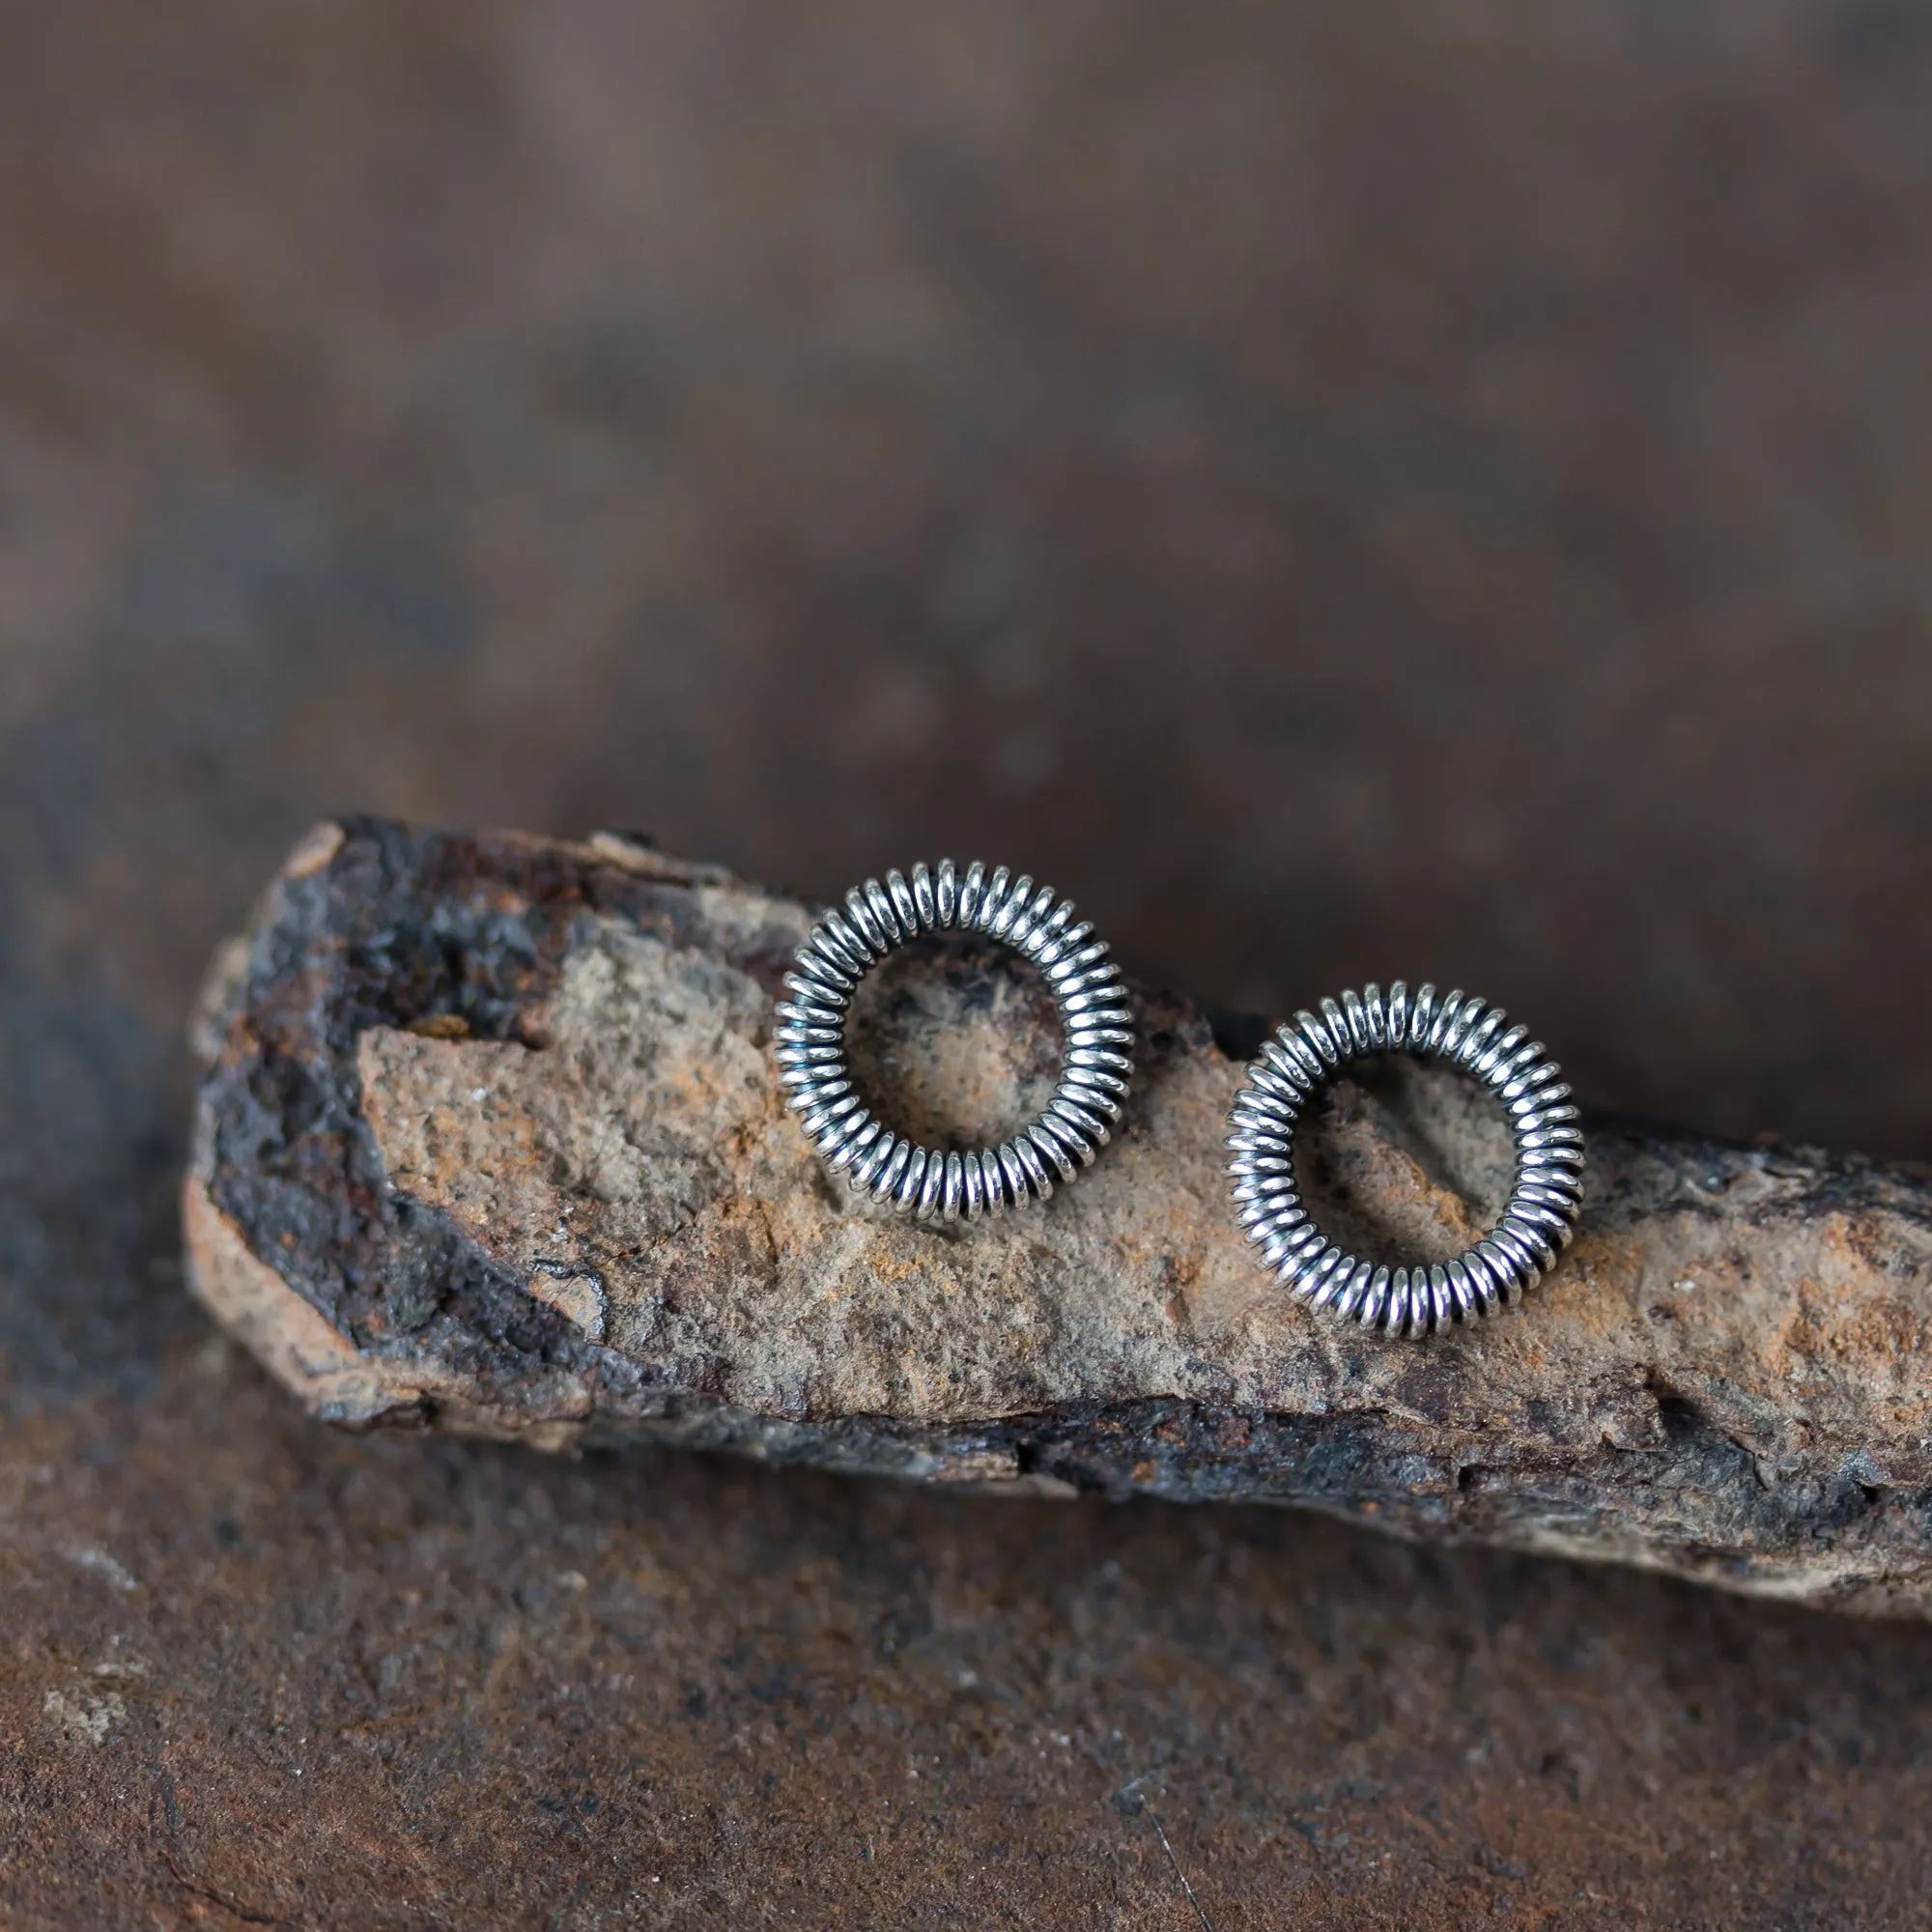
(489, 1140)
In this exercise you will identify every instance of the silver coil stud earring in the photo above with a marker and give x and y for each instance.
(1476, 1038)
(1095, 1069)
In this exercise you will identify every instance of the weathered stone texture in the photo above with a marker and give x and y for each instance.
(491, 1140)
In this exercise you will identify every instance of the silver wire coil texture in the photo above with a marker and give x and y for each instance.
(1096, 1065)
(1466, 1033)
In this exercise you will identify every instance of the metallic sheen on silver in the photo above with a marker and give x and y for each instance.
(1474, 1037)
(1095, 1069)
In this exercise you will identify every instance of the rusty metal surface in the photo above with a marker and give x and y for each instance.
(759, 424)
(256, 1673)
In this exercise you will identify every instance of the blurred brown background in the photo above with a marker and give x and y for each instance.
(1346, 490)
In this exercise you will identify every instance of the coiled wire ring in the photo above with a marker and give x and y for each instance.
(1535, 1226)
(1095, 1070)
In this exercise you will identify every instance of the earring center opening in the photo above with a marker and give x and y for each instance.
(1404, 1161)
(955, 1041)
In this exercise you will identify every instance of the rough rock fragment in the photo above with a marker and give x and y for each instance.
(489, 1140)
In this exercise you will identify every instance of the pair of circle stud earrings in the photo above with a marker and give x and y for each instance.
(1096, 1070)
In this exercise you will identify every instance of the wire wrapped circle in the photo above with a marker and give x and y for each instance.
(1468, 1034)
(1095, 1069)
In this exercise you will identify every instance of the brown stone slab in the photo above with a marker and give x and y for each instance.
(490, 1142)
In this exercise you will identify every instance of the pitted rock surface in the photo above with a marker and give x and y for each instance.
(491, 1140)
